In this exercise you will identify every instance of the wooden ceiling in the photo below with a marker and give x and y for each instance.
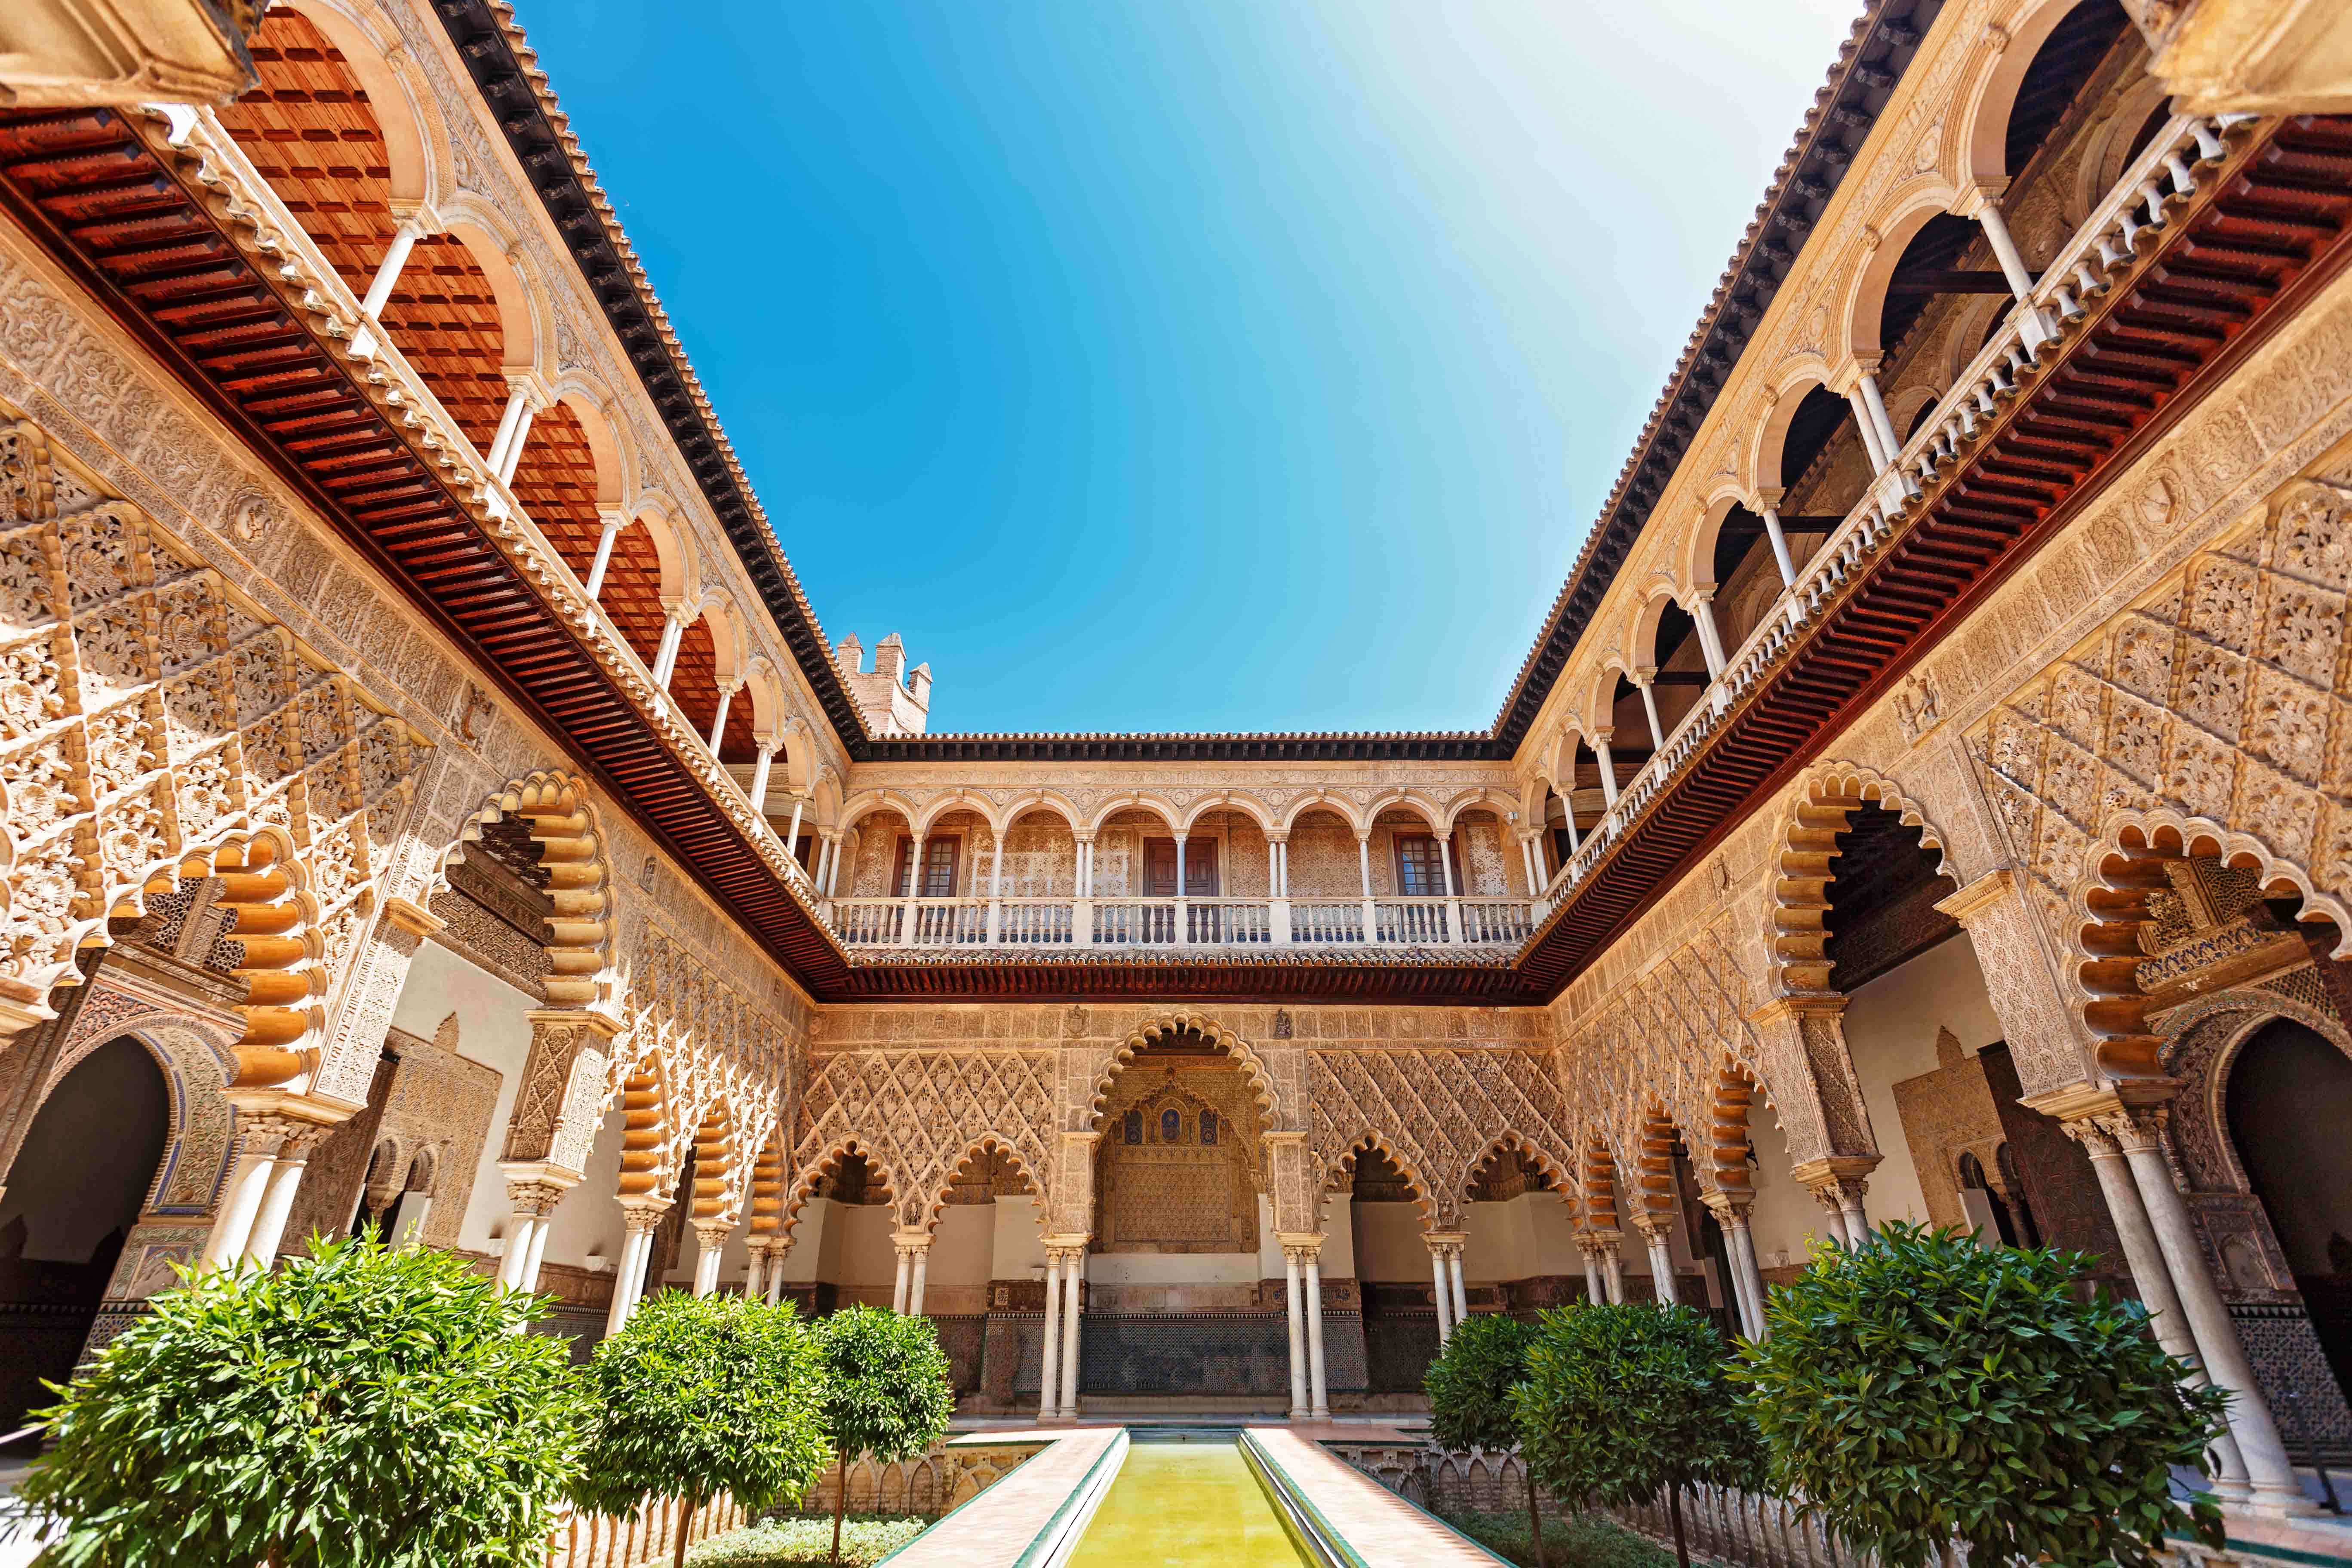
(309, 130)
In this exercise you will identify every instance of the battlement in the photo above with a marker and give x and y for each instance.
(891, 699)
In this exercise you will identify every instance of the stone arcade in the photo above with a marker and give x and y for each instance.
(430, 800)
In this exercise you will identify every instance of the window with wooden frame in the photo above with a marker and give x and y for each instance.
(1421, 865)
(1160, 868)
(938, 868)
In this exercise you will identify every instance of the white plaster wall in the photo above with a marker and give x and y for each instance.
(962, 1247)
(804, 1264)
(1018, 1242)
(1178, 1268)
(1785, 1217)
(867, 1260)
(1339, 1237)
(1890, 1028)
(588, 1221)
(1520, 1239)
(1388, 1244)
(492, 1029)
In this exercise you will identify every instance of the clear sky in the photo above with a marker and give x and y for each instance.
(1187, 364)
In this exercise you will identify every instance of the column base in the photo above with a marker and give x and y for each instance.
(1320, 1415)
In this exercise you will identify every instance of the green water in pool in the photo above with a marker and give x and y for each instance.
(1185, 1505)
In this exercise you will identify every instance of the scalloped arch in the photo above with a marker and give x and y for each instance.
(1174, 1024)
(1797, 892)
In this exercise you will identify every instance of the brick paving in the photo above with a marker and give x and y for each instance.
(1379, 1526)
(993, 1529)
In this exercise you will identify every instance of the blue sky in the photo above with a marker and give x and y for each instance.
(1187, 364)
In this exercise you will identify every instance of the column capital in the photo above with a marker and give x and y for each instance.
(1797, 1006)
(1728, 1207)
(1653, 1226)
(1444, 1241)
(535, 1187)
(911, 1242)
(533, 387)
(1642, 674)
(1601, 734)
(640, 1214)
(1980, 895)
(1599, 1243)
(1834, 1169)
(413, 211)
(1768, 498)
(1305, 1245)
(566, 1017)
(1277, 836)
(712, 1234)
(413, 917)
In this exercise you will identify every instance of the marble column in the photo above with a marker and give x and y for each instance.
(1655, 1229)
(1593, 1290)
(1442, 1295)
(1318, 1389)
(709, 1250)
(1297, 1326)
(923, 1256)
(286, 1170)
(639, 1222)
(1073, 1281)
(2138, 1129)
(1049, 1384)
(258, 1137)
(1454, 1273)
(2153, 1280)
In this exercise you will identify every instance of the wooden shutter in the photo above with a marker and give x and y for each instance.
(1200, 868)
(1160, 868)
(900, 885)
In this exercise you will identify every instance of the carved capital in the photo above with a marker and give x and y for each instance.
(413, 917)
(1979, 896)
(640, 1214)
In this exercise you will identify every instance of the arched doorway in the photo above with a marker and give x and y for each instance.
(2287, 1100)
(73, 1194)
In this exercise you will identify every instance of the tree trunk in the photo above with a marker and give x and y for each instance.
(685, 1527)
(1674, 1506)
(840, 1501)
(1535, 1513)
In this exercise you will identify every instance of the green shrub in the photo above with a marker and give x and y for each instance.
(1623, 1403)
(1582, 1542)
(887, 1391)
(794, 1543)
(700, 1396)
(358, 1407)
(1926, 1388)
(1470, 1385)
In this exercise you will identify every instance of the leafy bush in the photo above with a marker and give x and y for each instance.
(1470, 1385)
(700, 1396)
(1582, 1542)
(1624, 1403)
(358, 1407)
(1926, 1388)
(793, 1543)
(887, 1391)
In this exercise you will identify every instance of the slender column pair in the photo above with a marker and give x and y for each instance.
(1445, 1272)
(273, 1151)
(1058, 1388)
(765, 1282)
(914, 1249)
(532, 1196)
(709, 1250)
(1746, 1278)
(1840, 1196)
(639, 1219)
(1656, 1229)
(2189, 1318)
(1310, 1394)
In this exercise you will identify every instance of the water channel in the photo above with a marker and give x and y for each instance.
(1185, 1501)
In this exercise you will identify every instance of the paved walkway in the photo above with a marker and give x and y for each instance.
(1378, 1527)
(993, 1529)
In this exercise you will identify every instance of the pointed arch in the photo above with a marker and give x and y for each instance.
(1172, 1025)
(934, 1202)
(564, 821)
(805, 1185)
(1806, 844)
(1371, 1137)
(2110, 901)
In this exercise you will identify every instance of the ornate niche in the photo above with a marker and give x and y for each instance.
(1178, 1169)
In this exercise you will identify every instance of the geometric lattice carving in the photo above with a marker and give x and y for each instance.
(1438, 1113)
(918, 1113)
(2220, 699)
(150, 717)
